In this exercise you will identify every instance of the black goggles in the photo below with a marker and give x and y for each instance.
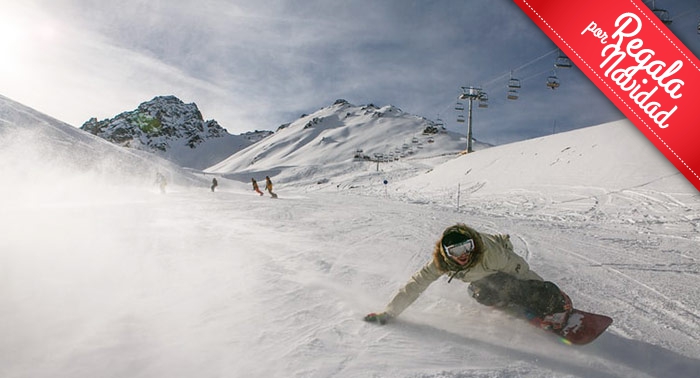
(460, 249)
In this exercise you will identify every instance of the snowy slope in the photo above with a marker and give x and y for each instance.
(611, 156)
(41, 152)
(342, 139)
(231, 284)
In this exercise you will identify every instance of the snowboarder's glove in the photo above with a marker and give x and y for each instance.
(380, 318)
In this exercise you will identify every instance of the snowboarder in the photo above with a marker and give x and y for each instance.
(498, 277)
(268, 186)
(255, 186)
(214, 184)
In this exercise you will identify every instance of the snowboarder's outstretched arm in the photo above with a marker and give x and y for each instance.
(407, 294)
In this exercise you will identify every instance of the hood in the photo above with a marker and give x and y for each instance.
(444, 262)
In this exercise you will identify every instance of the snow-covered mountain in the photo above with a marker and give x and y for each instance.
(341, 139)
(174, 130)
(114, 279)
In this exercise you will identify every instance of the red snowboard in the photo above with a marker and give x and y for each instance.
(583, 327)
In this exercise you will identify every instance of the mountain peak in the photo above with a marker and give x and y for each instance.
(168, 127)
(171, 105)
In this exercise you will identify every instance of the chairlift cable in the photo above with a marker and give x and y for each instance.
(537, 74)
(490, 85)
(522, 66)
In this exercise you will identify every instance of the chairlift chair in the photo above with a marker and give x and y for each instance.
(553, 81)
(483, 100)
(459, 106)
(460, 118)
(662, 14)
(512, 94)
(562, 61)
(513, 83)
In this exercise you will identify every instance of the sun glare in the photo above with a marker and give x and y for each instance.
(46, 32)
(12, 44)
(19, 32)
(23, 38)
(11, 35)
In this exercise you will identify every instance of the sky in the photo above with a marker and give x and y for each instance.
(254, 65)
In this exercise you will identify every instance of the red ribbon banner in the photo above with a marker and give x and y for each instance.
(637, 63)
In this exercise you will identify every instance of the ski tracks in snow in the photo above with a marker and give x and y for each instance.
(572, 253)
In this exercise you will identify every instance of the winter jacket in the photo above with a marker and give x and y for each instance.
(493, 253)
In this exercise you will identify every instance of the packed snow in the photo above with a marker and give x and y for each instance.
(101, 275)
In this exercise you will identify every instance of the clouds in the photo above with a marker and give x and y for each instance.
(254, 65)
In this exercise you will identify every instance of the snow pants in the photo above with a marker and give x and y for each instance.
(530, 298)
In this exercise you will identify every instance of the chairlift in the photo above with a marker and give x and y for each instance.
(483, 100)
(662, 14)
(512, 94)
(553, 81)
(459, 106)
(460, 118)
(698, 27)
(562, 61)
(513, 83)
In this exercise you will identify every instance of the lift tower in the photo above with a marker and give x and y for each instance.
(471, 94)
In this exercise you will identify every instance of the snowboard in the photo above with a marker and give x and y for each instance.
(583, 327)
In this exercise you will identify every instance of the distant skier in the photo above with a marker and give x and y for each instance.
(214, 184)
(255, 186)
(268, 186)
(498, 277)
(161, 181)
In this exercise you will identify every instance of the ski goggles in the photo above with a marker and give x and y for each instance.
(460, 249)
